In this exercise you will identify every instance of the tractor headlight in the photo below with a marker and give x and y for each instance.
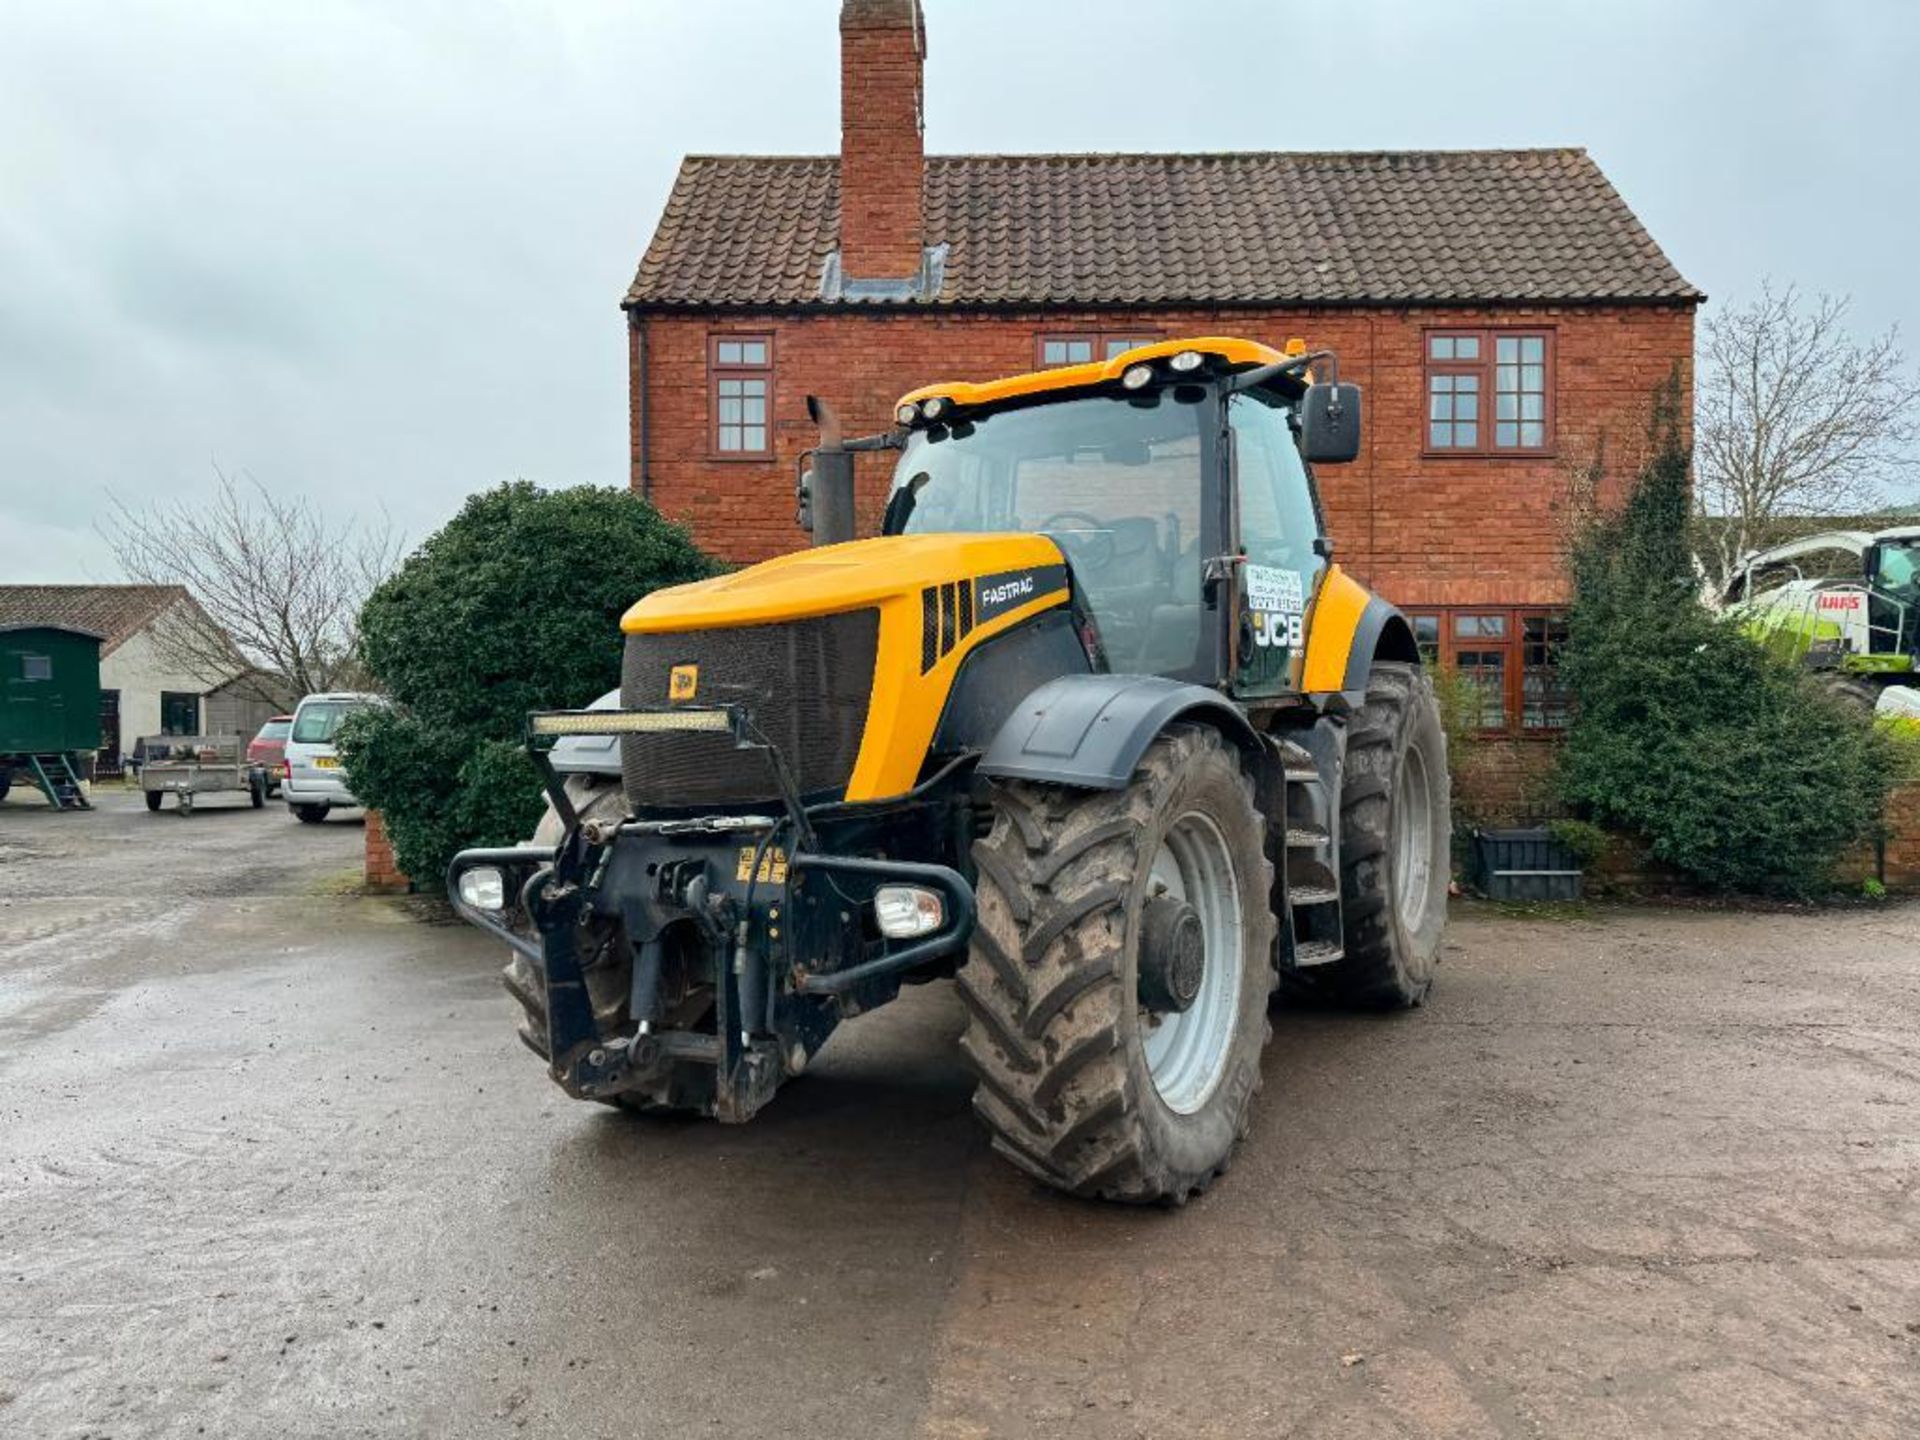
(905, 414)
(1135, 376)
(905, 911)
(483, 888)
(1186, 360)
(934, 408)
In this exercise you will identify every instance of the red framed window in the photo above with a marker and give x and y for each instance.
(740, 372)
(1086, 346)
(1489, 392)
(1510, 657)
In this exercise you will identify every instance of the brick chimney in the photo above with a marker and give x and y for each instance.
(882, 151)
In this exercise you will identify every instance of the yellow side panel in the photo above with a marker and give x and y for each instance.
(906, 705)
(1330, 631)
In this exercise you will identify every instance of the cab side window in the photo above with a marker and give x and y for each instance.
(1278, 525)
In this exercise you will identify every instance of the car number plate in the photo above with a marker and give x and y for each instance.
(325, 762)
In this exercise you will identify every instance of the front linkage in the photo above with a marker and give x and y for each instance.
(795, 920)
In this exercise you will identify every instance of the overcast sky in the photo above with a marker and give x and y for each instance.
(375, 251)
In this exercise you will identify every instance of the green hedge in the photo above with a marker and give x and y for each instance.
(1734, 767)
(513, 606)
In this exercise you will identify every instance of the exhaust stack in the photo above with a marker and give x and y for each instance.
(826, 489)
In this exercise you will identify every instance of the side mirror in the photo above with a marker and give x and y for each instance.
(1330, 424)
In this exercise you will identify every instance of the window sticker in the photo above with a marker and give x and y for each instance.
(1274, 601)
(1273, 590)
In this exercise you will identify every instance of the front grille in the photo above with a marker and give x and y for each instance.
(804, 683)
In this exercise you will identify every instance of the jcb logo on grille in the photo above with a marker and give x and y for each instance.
(683, 682)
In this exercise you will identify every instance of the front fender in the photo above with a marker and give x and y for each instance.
(1092, 730)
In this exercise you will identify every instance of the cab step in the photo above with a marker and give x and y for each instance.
(1311, 762)
(1308, 953)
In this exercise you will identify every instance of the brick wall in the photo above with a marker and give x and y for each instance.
(1503, 781)
(382, 873)
(881, 149)
(1422, 531)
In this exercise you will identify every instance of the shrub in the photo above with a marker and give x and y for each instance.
(513, 606)
(1735, 768)
(1583, 840)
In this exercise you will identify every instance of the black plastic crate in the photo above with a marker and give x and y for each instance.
(1525, 864)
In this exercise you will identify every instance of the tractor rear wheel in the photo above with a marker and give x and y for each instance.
(1119, 975)
(1395, 840)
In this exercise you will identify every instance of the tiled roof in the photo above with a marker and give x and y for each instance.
(113, 612)
(1269, 227)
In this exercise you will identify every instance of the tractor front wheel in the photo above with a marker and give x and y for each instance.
(1119, 976)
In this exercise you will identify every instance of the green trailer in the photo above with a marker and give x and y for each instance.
(49, 709)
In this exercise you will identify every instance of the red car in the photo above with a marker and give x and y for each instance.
(268, 751)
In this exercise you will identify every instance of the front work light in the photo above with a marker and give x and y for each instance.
(1186, 360)
(483, 888)
(905, 911)
(627, 722)
(1135, 376)
(934, 408)
(905, 414)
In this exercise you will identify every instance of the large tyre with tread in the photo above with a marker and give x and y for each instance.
(1396, 835)
(1082, 1082)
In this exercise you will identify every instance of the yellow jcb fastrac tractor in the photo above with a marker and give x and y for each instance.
(1094, 726)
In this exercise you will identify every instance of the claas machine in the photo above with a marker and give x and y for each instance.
(1094, 726)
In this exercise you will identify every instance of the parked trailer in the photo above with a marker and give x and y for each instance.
(189, 766)
(49, 709)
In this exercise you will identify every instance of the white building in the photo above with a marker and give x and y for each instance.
(146, 688)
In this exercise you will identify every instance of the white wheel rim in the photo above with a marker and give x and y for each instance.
(1413, 841)
(1187, 1052)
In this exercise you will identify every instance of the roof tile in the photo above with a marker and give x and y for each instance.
(1247, 228)
(113, 612)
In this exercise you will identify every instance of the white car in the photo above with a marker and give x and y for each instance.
(315, 783)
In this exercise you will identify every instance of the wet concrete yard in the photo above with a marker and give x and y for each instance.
(273, 1164)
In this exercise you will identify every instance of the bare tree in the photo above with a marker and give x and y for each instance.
(282, 583)
(1794, 418)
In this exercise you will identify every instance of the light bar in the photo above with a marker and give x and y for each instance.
(628, 722)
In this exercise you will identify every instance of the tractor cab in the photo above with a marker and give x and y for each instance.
(1174, 480)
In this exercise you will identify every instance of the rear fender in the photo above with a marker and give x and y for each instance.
(1093, 730)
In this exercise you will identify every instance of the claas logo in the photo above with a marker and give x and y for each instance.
(683, 682)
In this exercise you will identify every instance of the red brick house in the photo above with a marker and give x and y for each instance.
(1503, 309)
